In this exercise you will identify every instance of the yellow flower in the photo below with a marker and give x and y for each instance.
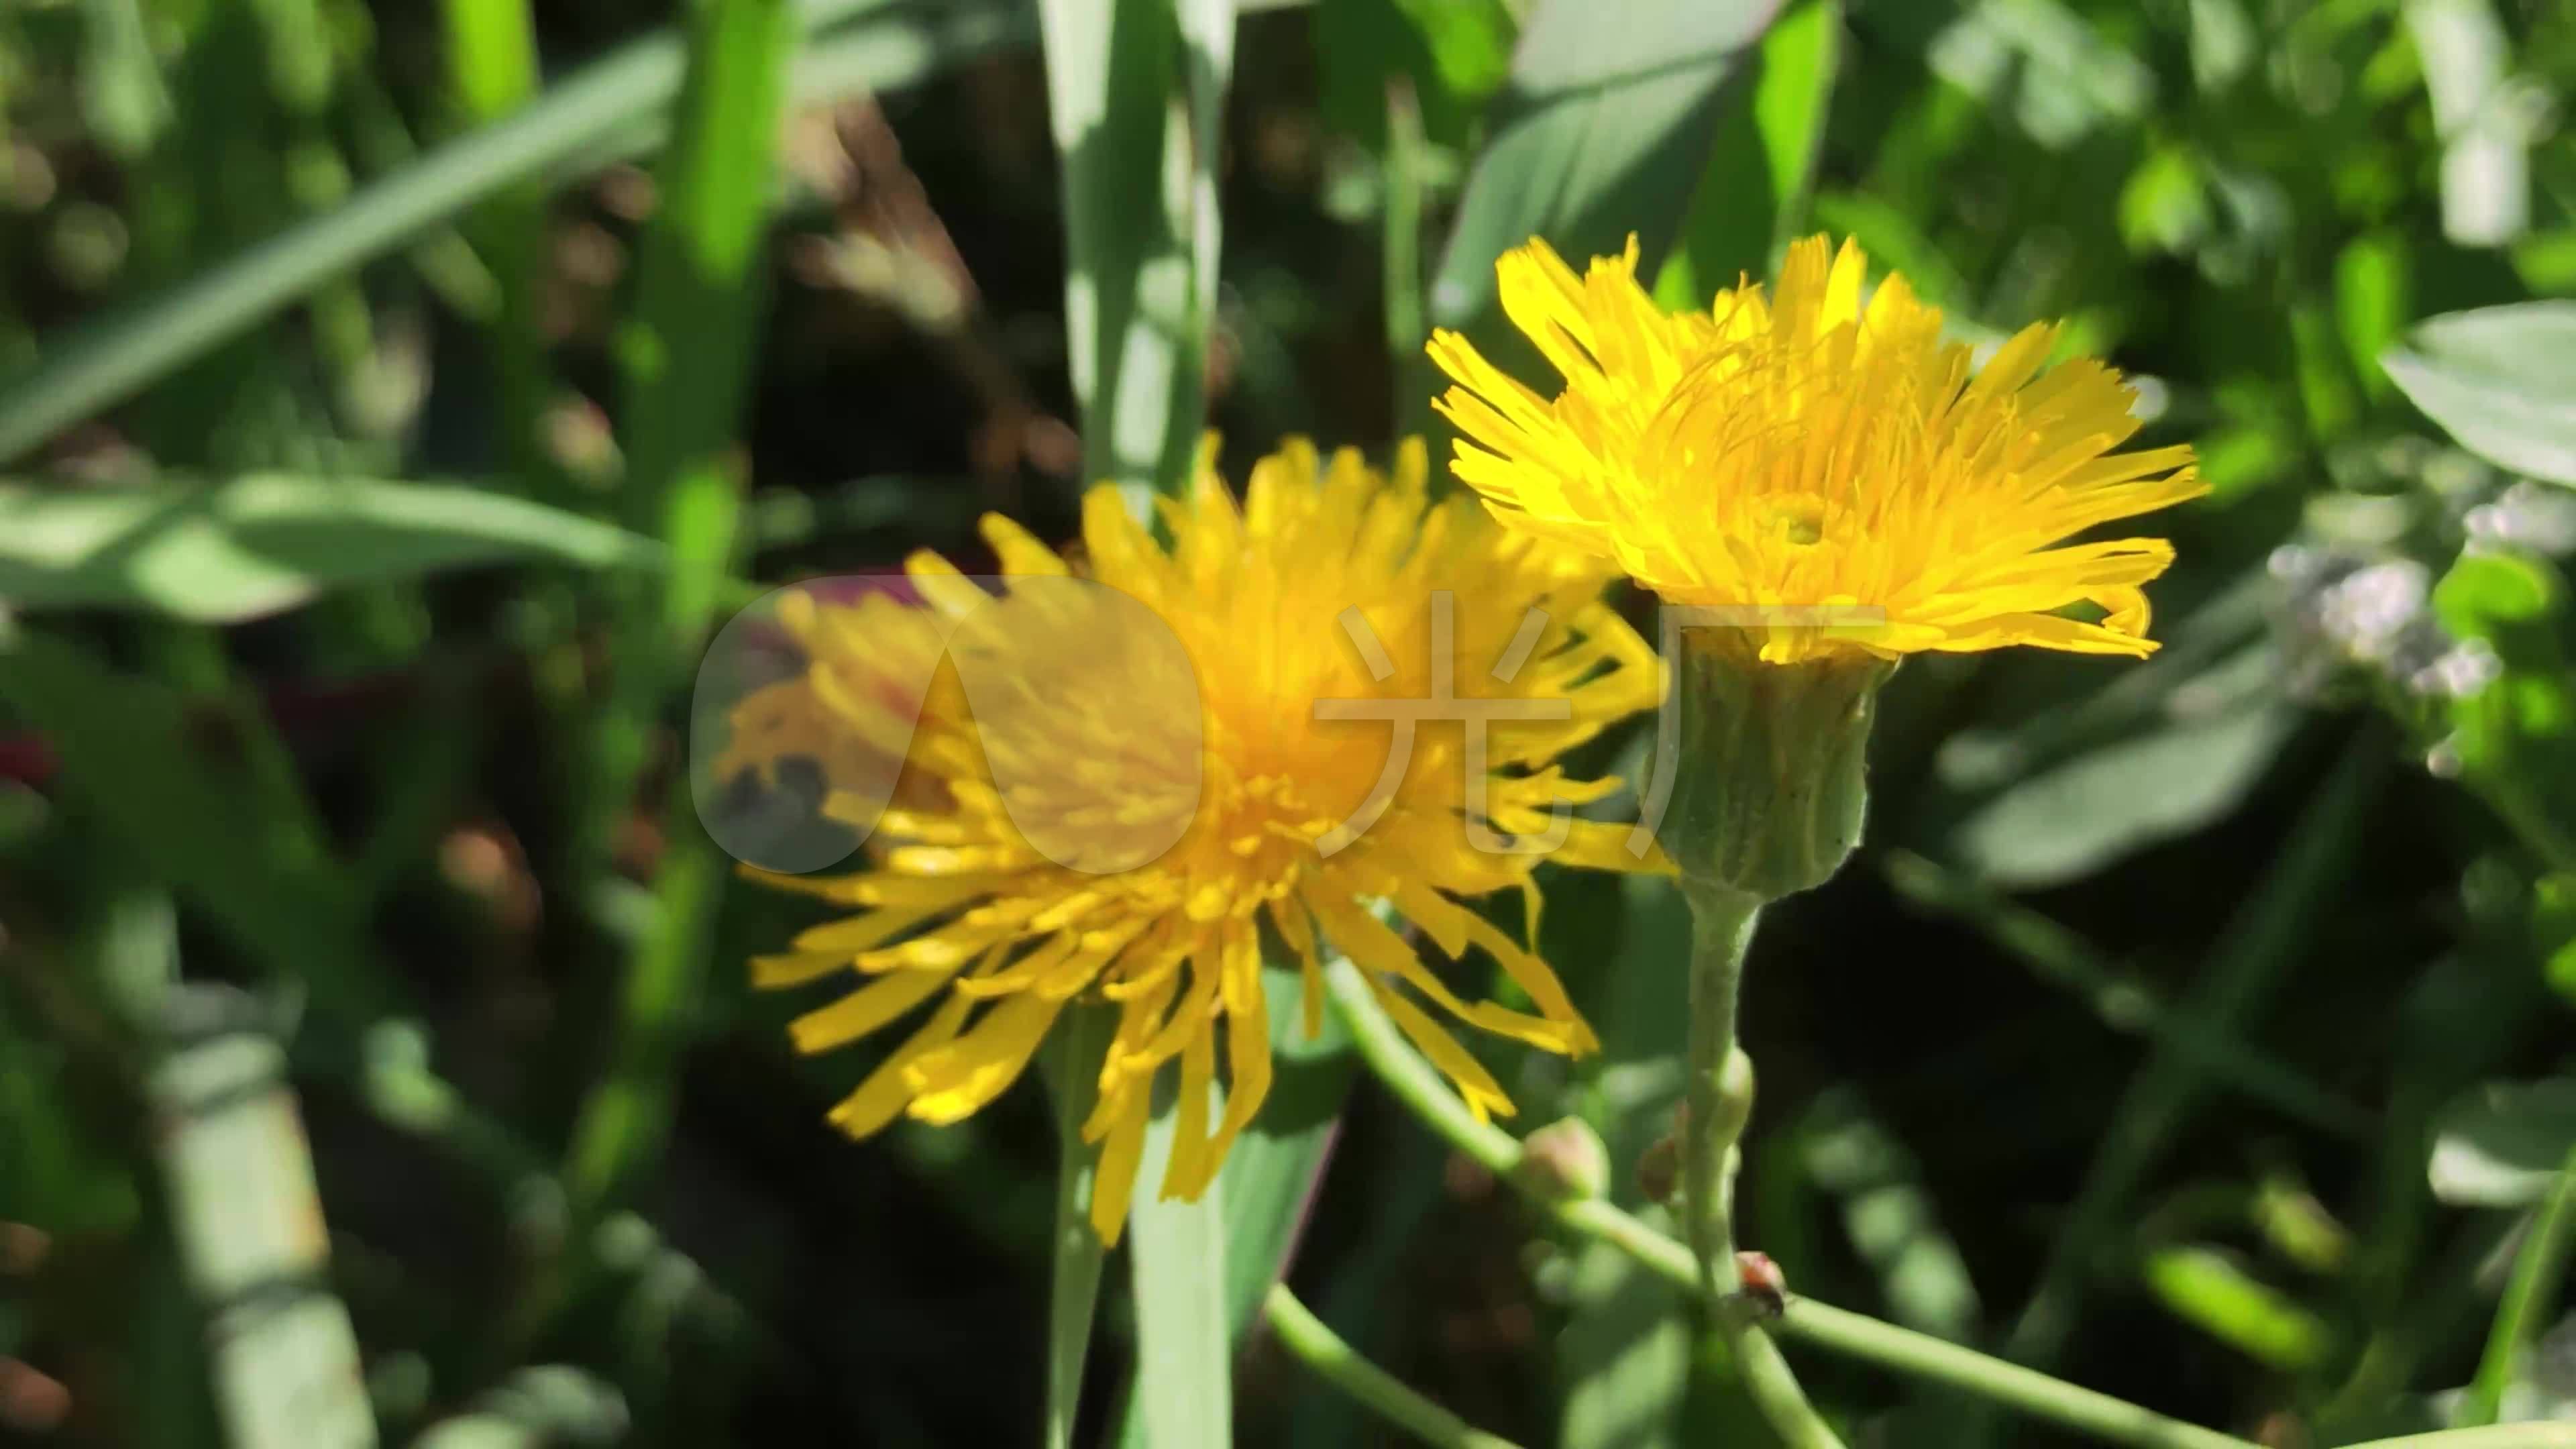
(1809, 454)
(1138, 777)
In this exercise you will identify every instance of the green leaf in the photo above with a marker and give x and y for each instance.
(2467, 59)
(1454, 54)
(2074, 818)
(2204, 1287)
(688, 358)
(1763, 161)
(2501, 381)
(2485, 590)
(1140, 220)
(246, 1215)
(1274, 1168)
(2374, 285)
(2530, 1298)
(2502, 1145)
(1892, 1220)
(1073, 1074)
(1605, 128)
(1184, 1354)
(262, 542)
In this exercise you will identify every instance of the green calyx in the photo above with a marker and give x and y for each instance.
(1771, 785)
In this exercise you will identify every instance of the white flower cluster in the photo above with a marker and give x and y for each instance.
(2348, 610)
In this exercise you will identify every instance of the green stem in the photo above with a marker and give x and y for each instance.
(1920, 1355)
(2536, 1271)
(1721, 1103)
(1400, 259)
(2509, 1436)
(1321, 1349)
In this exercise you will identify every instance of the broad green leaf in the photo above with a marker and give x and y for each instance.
(2502, 1145)
(255, 544)
(2501, 381)
(1184, 1354)
(2076, 817)
(2204, 1287)
(1753, 190)
(1603, 131)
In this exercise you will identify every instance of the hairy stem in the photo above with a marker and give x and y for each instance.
(1322, 1350)
(1418, 1085)
(1721, 1102)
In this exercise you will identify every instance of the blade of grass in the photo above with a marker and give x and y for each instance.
(2529, 1298)
(1073, 1294)
(247, 1217)
(1135, 96)
(1184, 1355)
(1277, 1165)
(254, 544)
(1134, 91)
(687, 358)
(106, 361)
(1400, 257)
(492, 70)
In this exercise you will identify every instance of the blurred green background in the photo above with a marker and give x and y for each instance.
(392, 395)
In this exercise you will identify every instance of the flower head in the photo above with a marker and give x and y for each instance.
(1146, 758)
(1836, 465)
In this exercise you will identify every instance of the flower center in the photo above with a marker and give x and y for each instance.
(1799, 521)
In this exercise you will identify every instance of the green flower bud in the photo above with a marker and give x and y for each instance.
(1769, 790)
(1566, 1160)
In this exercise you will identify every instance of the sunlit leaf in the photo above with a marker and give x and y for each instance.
(2500, 380)
(263, 542)
(2207, 1289)
(1603, 131)
(2074, 818)
(2502, 1145)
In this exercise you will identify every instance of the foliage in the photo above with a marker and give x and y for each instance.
(2195, 1030)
